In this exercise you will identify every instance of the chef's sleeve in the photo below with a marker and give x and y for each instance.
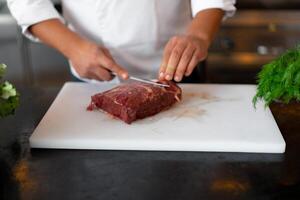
(226, 5)
(30, 12)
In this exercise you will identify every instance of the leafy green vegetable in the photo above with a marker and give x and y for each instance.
(280, 79)
(8, 106)
(8, 90)
(9, 97)
(2, 70)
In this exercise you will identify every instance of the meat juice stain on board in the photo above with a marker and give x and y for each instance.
(192, 105)
(189, 107)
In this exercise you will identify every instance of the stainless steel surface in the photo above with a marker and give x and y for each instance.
(282, 18)
(248, 30)
(249, 40)
(238, 60)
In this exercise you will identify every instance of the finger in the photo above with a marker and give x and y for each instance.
(102, 73)
(184, 62)
(194, 61)
(107, 53)
(108, 63)
(99, 73)
(167, 52)
(174, 60)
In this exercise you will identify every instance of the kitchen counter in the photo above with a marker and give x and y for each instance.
(83, 174)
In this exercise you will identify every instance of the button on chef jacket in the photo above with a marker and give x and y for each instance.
(135, 31)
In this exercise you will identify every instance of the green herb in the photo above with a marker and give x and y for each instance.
(9, 97)
(2, 70)
(280, 79)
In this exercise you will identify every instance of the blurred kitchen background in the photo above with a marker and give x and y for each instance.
(260, 31)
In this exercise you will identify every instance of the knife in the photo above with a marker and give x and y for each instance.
(144, 80)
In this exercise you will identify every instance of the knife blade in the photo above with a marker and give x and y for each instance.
(148, 81)
(144, 80)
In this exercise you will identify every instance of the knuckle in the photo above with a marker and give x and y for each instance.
(186, 56)
(184, 40)
(94, 48)
(167, 49)
(110, 63)
(96, 52)
(90, 61)
(176, 53)
(175, 38)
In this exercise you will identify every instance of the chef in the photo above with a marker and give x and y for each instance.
(162, 39)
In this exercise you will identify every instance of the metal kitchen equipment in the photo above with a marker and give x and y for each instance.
(259, 32)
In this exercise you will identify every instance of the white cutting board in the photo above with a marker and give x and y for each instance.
(209, 118)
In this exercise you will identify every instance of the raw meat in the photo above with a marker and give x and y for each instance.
(136, 100)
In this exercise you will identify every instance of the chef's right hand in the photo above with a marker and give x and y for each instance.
(95, 62)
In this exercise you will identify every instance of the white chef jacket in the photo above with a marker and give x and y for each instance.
(135, 31)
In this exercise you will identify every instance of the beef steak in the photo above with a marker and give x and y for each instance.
(136, 100)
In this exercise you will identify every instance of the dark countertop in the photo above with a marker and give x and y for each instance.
(84, 174)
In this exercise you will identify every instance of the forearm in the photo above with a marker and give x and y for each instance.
(54, 33)
(205, 25)
(88, 59)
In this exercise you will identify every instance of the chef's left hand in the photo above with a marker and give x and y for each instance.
(181, 55)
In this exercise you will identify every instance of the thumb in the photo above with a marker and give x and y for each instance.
(107, 61)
